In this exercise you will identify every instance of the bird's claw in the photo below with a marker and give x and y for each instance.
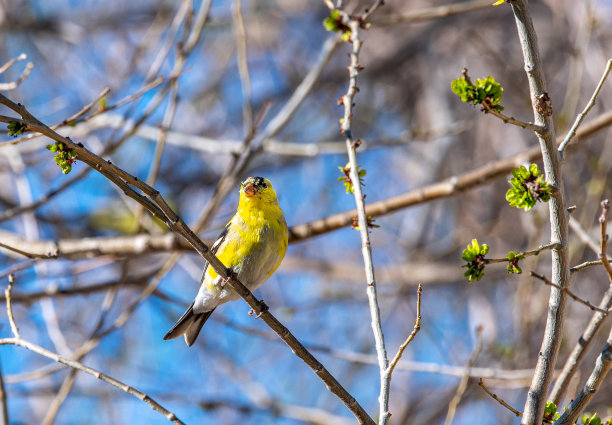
(262, 309)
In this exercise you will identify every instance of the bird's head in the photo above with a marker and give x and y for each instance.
(258, 190)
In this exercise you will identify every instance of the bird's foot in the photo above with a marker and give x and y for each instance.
(263, 307)
(224, 281)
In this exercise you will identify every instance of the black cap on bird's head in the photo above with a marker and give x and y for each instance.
(253, 185)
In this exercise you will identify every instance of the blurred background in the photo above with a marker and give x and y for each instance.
(175, 115)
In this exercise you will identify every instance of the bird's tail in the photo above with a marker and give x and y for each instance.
(189, 325)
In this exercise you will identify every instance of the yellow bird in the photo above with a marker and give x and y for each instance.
(252, 244)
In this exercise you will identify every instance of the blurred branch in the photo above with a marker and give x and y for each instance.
(17, 267)
(452, 406)
(55, 291)
(156, 204)
(79, 118)
(4, 414)
(18, 341)
(11, 62)
(303, 89)
(253, 142)
(582, 234)
(96, 246)
(133, 245)
(444, 189)
(261, 398)
(415, 330)
(581, 116)
(69, 380)
(542, 111)
(243, 69)
(25, 73)
(432, 13)
(24, 253)
(162, 51)
(271, 145)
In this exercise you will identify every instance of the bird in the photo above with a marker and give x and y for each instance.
(252, 245)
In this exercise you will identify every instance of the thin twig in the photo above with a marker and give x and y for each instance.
(4, 414)
(568, 292)
(243, 69)
(581, 116)
(69, 380)
(499, 400)
(585, 265)
(142, 91)
(71, 120)
(583, 235)
(506, 119)
(346, 128)
(454, 403)
(10, 62)
(24, 253)
(17, 267)
(603, 223)
(9, 307)
(511, 120)
(415, 330)
(18, 341)
(432, 13)
(525, 254)
(14, 84)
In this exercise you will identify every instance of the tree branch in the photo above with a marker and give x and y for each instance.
(603, 365)
(156, 204)
(355, 23)
(454, 403)
(582, 345)
(581, 116)
(542, 111)
(444, 189)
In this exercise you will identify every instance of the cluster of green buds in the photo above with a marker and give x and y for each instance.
(474, 256)
(346, 177)
(485, 91)
(528, 187)
(16, 128)
(64, 157)
(334, 23)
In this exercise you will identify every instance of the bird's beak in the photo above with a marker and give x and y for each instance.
(250, 190)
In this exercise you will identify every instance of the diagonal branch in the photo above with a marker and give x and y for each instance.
(603, 365)
(581, 116)
(153, 201)
(585, 340)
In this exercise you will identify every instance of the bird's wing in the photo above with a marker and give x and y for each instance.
(215, 248)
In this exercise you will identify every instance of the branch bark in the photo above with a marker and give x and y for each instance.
(536, 397)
